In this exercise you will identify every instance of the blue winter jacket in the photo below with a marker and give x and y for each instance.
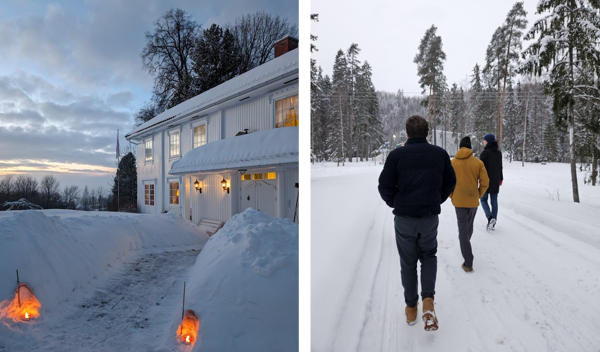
(416, 179)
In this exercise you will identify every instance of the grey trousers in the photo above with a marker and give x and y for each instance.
(465, 217)
(416, 239)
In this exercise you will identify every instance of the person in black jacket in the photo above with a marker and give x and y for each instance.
(415, 180)
(492, 160)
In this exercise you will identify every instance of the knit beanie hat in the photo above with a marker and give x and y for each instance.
(489, 137)
(465, 142)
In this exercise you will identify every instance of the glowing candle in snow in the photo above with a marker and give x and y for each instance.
(26, 316)
(187, 340)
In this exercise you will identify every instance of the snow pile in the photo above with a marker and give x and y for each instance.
(244, 286)
(59, 256)
(21, 204)
(271, 147)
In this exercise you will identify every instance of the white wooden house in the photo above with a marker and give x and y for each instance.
(232, 147)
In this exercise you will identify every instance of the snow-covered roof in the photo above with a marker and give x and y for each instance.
(242, 84)
(264, 148)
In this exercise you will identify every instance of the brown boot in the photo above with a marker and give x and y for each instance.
(429, 317)
(411, 314)
(467, 269)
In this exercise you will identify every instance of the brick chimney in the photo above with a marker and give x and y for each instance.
(284, 45)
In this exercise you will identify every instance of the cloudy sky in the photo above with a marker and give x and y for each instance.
(71, 75)
(388, 34)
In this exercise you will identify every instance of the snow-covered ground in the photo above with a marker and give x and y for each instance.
(114, 281)
(536, 282)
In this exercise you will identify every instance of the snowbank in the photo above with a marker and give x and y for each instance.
(59, 253)
(244, 287)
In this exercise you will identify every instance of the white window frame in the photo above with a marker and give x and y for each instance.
(151, 160)
(198, 123)
(171, 132)
(144, 184)
(281, 94)
(169, 181)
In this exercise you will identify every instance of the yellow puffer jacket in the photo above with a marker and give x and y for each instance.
(468, 171)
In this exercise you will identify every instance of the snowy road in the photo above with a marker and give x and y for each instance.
(536, 282)
(128, 312)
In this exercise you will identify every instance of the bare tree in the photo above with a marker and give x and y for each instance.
(255, 35)
(93, 199)
(167, 56)
(85, 199)
(6, 189)
(70, 196)
(26, 186)
(49, 191)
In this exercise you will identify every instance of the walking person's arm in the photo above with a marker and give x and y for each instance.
(484, 180)
(388, 181)
(449, 182)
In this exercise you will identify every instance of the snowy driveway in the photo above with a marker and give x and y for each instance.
(536, 282)
(128, 312)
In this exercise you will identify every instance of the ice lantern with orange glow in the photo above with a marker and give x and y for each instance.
(188, 330)
(23, 307)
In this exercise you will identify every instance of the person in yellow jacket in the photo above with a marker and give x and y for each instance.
(471, 183)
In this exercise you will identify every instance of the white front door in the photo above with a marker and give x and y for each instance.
(266, 197)
(248, 195)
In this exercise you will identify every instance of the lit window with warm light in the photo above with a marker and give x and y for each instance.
(257, 176)
(149, 194)
(286, 112)
(174, 193)
(246, 177)
(199, 135)
(270, 175)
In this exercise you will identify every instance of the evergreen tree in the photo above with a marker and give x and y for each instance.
(125, 185)
(215, 58)
(513, 26)
(550, 143)
(353, 65)
(566, 42)
(336, 145)
(430, 64)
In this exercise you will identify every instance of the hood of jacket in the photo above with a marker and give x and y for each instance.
(492, 145)
(464, 153)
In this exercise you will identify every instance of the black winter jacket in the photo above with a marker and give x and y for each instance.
(492, 160)
(416, 179)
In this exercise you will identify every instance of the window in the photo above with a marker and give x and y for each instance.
(174, 144)
(246, 177)
(257, 176)
(174, 193)
(270, 175)
(148, 144)
(286, 111)
(199, 135)
(149, 194)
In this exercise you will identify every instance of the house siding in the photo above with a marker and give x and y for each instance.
(255, 115)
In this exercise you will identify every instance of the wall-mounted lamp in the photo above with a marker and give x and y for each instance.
(224, 184)
(242, 171)
(198, 186)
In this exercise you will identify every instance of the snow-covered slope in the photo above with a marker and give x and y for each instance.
(62, 253)
(244, 287)
(536, 281)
